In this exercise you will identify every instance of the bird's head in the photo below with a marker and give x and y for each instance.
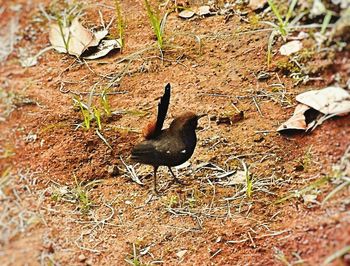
(186, 121)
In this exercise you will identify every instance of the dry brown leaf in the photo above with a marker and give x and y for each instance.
(104, 48)
(186, 14)
(203, 11)
(291, 47)
(257, 4)
(73, 40)
(297, 121)
(330, 100)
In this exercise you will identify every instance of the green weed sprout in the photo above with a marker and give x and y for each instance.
(85, 112)
(121, 23)
(105, 102)
(283, 27)
(97, 115)
(249, 182)
(156, 24)
(81, 194)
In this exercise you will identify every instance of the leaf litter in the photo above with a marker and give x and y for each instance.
(328, 102)
(78, 41)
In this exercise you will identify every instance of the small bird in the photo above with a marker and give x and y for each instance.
(167, 147)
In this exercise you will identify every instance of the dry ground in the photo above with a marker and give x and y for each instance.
(102, 217)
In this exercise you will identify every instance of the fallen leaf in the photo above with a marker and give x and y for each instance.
(257, 4)
(74, 39)
(103, 49)
(310, 198)
(181, 253)
(330, 100)
(297, 121)
(186, 14)
(317, 9)
(77, 40)
(301, 36)
(98, 36)
(291, 47)
(204, 11)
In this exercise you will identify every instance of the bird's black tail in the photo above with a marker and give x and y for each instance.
(162, 109)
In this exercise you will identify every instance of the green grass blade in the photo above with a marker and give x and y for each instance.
(325, 22)
(155, 23)
(275, 11)
(121, 22)
(290, 11)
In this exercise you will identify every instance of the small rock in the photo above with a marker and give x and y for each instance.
(262, 75)
(89, 262)
(257, 4)
(237, 117)
(82, 258)
(258, 138)
(186, 14)
(223, 120)
(291, 47)
(181, 253)
(113, 170)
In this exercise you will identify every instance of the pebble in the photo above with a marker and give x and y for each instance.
(82, 258)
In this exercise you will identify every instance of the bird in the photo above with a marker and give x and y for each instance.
(167, 147)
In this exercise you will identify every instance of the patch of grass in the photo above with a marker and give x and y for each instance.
(85, 111)
(283, 27)
(6, 152)
(120, 23)
(82, 195)
(105, 102)
(78, 194)
(5, 177)
(306, 160)
(248, 178)
(172, 201)
(156, 24)
(92, 112)
(134, 260)
(298, 193)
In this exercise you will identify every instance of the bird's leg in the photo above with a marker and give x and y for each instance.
(175, 178)
(155, 179)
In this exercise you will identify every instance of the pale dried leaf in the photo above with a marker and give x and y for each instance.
(297, 121)
(257, 4)
(104, 48)
(318, 8)
(204, 11)
(181, 253)
(98, 36)
(291, 47)
(73, 40)
(58, 38)
(330, 100)
(186, 14)
(310, 198)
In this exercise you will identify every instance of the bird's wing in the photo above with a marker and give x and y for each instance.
(147, 153)
(162, 110)
(159, 152)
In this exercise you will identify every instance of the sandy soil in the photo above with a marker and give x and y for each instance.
(67, 199)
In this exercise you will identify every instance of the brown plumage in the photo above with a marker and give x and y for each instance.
(167, 147)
